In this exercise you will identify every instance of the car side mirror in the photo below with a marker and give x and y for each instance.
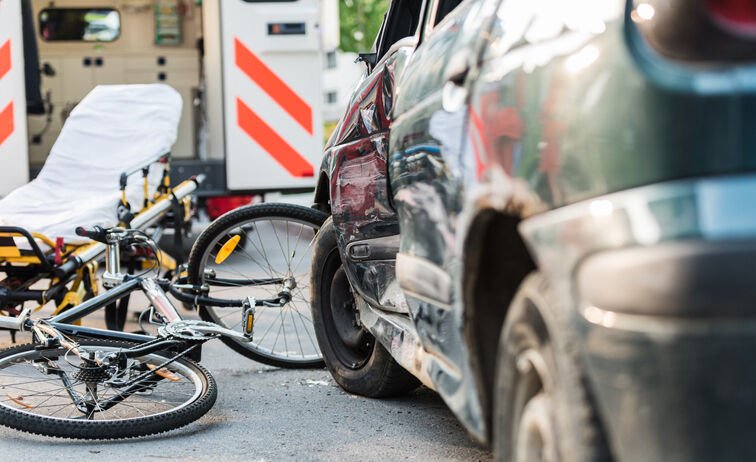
(370, 59)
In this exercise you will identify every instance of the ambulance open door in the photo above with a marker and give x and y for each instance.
(270, 86)
(14, 163)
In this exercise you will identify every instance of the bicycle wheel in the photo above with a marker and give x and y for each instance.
(254, 251)
(35, 398)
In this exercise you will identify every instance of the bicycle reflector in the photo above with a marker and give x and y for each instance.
(227, 249)
(249, 320)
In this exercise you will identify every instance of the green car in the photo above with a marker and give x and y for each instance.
(540, 210)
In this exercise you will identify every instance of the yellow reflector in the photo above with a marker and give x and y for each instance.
(227, 249)
(250, 323)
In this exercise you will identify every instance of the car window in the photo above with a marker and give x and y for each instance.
(455, 36)
(437, 11)
(402, 21)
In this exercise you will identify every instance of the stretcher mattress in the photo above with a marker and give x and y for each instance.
(115, 128)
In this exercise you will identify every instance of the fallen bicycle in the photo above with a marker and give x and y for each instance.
(81, 382)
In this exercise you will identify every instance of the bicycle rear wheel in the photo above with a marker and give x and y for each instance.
(35, 398)
(255, 251)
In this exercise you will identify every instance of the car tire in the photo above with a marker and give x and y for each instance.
(543, 408)
(357, 362)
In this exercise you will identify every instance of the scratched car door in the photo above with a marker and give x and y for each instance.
(360, 202)
(428, 171)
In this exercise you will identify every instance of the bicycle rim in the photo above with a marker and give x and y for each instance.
(275, 249)
(34, 399)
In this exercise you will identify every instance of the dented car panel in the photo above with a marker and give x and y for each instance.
(428, 171)
(609, 160)
(360, 203)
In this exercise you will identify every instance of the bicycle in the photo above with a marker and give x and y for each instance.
(256, 251)
(86, 383)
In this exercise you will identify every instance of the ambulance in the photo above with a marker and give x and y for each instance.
(249, 73)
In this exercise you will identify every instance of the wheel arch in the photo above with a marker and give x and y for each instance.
(495, 263)
(322, 196)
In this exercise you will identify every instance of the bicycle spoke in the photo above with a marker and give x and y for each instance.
(276, 247)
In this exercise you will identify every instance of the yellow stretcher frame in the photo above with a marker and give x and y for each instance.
(71, 270)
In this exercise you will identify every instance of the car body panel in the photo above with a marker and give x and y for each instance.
(355, 165)
(595, 151)
(427, 171)
(577, 117)
(565, 123)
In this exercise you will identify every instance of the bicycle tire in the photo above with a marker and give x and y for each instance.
(17, 412)
(255, 217)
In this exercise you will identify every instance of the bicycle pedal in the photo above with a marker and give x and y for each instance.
(164, 373)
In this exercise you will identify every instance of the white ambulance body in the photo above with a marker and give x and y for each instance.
(249, 73)
(14, 163)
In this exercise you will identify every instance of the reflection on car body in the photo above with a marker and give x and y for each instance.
(540, 215)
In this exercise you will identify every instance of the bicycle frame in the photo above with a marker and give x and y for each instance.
(63, 322)
(60, 325)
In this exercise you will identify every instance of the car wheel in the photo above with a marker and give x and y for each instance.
(358, 363)
(543, 410)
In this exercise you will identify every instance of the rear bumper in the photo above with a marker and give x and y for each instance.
(663, 284)
(687, 397)
(678, 384)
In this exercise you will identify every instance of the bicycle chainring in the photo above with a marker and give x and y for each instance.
(187, 330)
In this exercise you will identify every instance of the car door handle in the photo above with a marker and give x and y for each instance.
(458, 69)
(453, 96)
(454, 93)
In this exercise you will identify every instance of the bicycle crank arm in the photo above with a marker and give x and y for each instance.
(218, 330)
(199, 331)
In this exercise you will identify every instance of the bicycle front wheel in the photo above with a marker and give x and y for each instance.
(53, 392)
(259, 251)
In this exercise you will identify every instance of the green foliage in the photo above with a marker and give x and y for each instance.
(360, 21)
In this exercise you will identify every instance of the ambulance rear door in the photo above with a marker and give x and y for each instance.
(271, 79)
(14, 162)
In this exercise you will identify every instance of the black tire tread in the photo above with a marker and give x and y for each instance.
(110, 430)
(382, 376)
(590, 441)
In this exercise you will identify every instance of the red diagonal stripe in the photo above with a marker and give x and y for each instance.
(5, 59)
(271, 84)
(270, 141)
(6, 123)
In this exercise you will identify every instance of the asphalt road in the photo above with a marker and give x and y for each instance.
(270, 414)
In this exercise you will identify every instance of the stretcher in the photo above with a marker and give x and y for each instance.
(109, 167)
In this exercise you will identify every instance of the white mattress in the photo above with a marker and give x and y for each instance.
(115, 128)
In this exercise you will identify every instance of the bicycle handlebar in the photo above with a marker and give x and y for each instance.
(98, 233)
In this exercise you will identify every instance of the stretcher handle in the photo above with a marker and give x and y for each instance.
(98, 233)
